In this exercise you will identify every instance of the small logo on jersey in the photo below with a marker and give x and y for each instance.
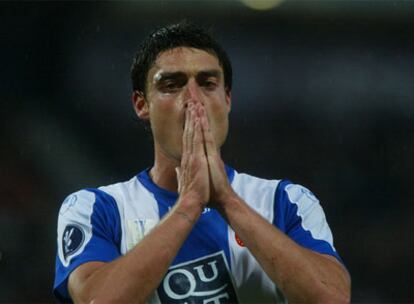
(72, 240)
(137, 229)
(309, 194)
(207, 209)
(205, 280)
(68, 203)
(238, 240)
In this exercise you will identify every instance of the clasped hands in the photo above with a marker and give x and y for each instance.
(201, 176)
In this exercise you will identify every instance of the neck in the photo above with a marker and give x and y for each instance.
(163, 172)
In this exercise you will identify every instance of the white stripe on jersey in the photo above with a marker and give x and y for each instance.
(259, 194)
(134, 203)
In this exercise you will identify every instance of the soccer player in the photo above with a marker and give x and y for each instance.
(190, 229)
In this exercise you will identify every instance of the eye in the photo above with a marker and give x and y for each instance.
(169, 86)
(210, 84)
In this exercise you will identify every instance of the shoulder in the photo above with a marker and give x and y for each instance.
(244, 182)
(299, 211)
(84, 202)
(282, 190)
(86, 199)
(258, 193)
(290, 195)
(121, 188)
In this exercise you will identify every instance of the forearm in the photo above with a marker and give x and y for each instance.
(133, 277)
(301, 274)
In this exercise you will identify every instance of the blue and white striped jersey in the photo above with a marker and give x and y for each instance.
(212, 266)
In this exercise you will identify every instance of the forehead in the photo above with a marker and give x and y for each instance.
(184, 59)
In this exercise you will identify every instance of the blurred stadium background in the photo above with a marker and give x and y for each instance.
(323, 95)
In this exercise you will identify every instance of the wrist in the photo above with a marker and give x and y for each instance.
(228, 202)
(189, 207)
(226, 199)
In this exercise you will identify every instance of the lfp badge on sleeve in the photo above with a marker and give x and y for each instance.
(204, 280)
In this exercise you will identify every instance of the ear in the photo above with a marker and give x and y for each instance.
(228, 99)
(140, 105)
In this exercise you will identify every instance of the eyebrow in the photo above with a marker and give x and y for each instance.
(174, 75)
(209, 73)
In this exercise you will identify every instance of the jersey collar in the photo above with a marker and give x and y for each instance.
(146, 180)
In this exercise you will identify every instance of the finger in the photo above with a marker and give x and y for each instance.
(189, 126)
(209, 141)
(185, 131)
(198, 138)
(191, 130)
(184, 152)
(177, 171)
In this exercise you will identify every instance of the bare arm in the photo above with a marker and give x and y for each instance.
(133, 277)
(303, 275)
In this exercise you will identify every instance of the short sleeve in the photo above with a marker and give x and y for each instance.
(299, 214)
(88, 230)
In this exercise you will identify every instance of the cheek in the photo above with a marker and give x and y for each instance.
(166, 119)
(219, 110)
(219, 120)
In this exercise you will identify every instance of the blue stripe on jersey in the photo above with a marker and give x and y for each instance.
(106, 223)
(208, 236)
(104, 245)
(286, 218)
(280, 216)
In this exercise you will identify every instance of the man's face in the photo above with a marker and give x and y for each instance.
(178, 77)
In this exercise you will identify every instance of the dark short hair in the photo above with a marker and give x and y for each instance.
(182, 34)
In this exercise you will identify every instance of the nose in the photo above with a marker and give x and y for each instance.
(192, 92)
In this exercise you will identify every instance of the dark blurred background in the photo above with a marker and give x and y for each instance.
(323, 95)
